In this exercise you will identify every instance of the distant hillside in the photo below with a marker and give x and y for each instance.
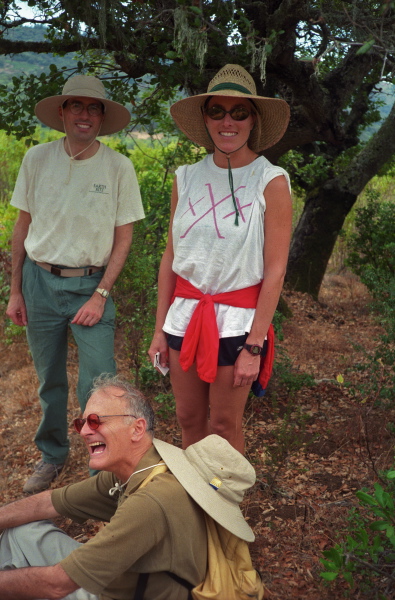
(29, 62)
(386, 98)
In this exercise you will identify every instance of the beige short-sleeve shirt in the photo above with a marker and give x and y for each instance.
(75, 205)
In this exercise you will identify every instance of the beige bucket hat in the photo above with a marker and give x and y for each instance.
(216, 476)
(116, 115)
(233, 80)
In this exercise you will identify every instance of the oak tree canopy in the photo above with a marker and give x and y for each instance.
(329, 60)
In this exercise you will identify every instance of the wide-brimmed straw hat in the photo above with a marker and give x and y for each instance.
(216, 476)
(116, 115)
(233, 80)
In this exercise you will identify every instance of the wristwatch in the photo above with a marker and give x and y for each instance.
(102, 292)
(253, 349)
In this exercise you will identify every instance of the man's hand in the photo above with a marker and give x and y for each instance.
(91, 312)
(16, 309)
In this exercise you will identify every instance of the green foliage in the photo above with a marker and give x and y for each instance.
(333, 77)
(11, 155)
(12, 151)
(8, 216)
(19, 98)
(366, 557)
(289, 380)
(366, 47)
(372, 257)
(4, 292)
(278, 320)
(372, 247)
(306, 170)
(136, 289)
(12, 331)
(166, 405)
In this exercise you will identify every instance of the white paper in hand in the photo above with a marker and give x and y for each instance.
(158, 366)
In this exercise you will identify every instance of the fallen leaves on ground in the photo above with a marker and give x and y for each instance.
(312, 448)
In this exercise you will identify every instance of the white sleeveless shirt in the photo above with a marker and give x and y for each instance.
(210, 251)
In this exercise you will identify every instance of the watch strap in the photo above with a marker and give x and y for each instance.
(254, 349)
(102, 292)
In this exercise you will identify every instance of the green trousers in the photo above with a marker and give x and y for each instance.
(52, 303)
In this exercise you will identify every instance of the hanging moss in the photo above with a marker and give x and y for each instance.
(258, 59)
(188, 39)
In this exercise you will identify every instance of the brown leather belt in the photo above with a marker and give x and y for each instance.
(69, 272)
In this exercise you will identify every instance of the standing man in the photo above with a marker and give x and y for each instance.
(78, 200)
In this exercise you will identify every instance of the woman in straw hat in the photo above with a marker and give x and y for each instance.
(223, 268)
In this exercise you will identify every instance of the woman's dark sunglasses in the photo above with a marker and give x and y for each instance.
(94, 421)
(238, 113)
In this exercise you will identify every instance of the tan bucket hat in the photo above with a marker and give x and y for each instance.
(216, 476)
(233, 80)
(116, 115)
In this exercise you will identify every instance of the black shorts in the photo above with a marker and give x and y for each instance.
(229, 348)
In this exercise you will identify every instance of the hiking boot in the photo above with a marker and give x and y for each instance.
(43, 475)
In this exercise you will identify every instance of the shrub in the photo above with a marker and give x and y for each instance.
(367, 555)
(372, 257)
(136, 289)
(372, 247)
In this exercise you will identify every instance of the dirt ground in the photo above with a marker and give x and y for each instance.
(311, 449)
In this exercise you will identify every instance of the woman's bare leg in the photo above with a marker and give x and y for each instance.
(192, 401)
(227, 404)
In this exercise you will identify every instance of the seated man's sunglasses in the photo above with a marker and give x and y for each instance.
(94, 421)
(238, 113)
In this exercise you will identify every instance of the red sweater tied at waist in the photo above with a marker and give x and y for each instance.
(201, 340)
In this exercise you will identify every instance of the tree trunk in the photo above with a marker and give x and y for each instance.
(326, 209)
(315, 236)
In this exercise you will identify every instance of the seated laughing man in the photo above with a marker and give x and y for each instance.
(156, 529)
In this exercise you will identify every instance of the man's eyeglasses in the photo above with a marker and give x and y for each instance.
(94, 421)
(238, 113)
(76, 108)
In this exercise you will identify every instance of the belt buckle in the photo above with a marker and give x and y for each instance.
(56, 271)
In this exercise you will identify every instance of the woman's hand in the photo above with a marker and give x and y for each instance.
(246, 369)
(159, 344)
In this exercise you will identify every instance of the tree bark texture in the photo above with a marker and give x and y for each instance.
(315, 236)
(326, 208)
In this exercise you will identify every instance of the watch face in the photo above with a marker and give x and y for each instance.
(103, 292)
(255, 350)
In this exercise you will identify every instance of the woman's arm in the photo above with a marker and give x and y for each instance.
(166, 286)
(278, 227)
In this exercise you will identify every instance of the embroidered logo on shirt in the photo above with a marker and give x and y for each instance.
(99, 188)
